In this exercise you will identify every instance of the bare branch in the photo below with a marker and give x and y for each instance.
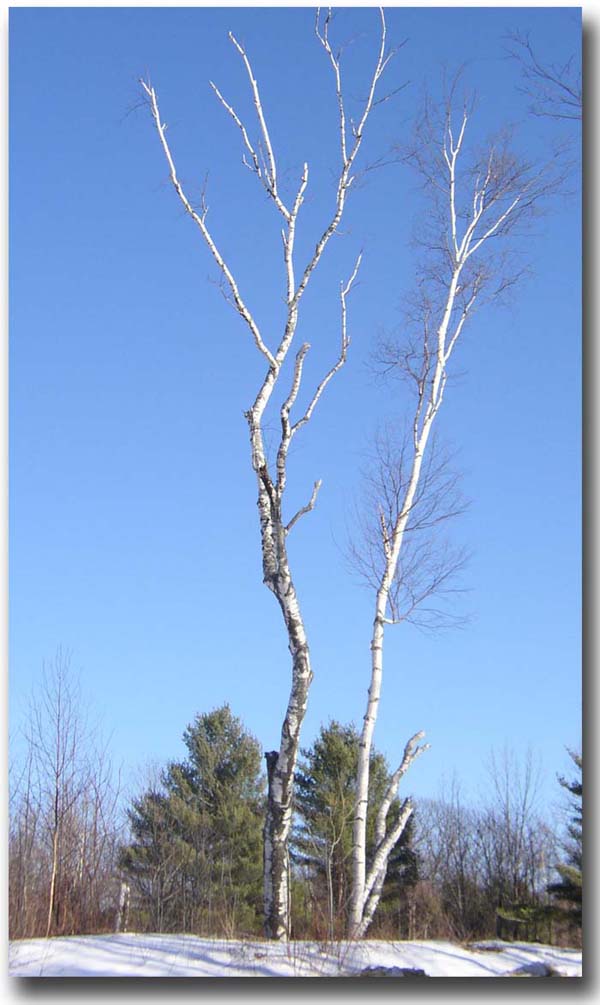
(555, 91)
(286, 429)
(335, 63)
(200, 221)
(305, 509)
(382, 854)
(270, 175)
(350, 154)
(255, 166)
(345, 343)
(297, 378)
(412, 751)
(427, 566)
(387, 97)
(487, 201)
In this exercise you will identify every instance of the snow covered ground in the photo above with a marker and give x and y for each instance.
(130, 955)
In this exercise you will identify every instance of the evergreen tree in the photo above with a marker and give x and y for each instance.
(325, 803)
(396, 903)
(569, 889)
(195, 859)
(150, 861)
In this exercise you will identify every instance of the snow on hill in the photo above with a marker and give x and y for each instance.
(131, 955)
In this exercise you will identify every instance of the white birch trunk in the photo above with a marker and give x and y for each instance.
(359, 878)
(273, 530)
(281, 764)
(365, 887)
(501, 192)
(123, 908)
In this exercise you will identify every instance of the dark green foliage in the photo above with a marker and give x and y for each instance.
(528, 922)
(540, 914)
(149, 861)
(396, 904)
(195, 857)
(568, 891)
(322, 840)
(324, 801)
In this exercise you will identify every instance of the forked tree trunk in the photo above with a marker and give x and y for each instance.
(281, 764)
(496, 193)
(273, 529)
(367, 887)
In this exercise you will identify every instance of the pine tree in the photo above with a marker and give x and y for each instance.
(568, 891)
(195, 859)
(396, 903)
(325, 803)
(150, 861)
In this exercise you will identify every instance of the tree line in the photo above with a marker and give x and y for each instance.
(185, 854)
(64, 800)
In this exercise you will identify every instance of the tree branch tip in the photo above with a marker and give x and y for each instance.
(237, 44)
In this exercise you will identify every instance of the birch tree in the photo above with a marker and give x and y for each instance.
(261, 157)
(477, 200)
(553, 89)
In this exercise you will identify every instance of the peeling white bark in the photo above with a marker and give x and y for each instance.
(274, 528)
(502, 190)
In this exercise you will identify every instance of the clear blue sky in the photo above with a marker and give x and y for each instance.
(133, 529)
